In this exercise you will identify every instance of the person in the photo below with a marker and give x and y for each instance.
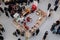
(37, 31)
(56, 2)
(20, 11)
(25, 1)
(28, 2)
(18, 32)
(17, 7)
(58, 30)
(50, 12)
(1, 38)
(6, 2)
(22, 34)
(0, 33)
(56, 7)
(22, 19)
(28, 19)
(15, 34)
(1, 10)
(34, 6)
(2, 29)
(6, 13)
(31, 0)
(23, 7)
(53, 26)
(45, 35)
(19, 39)
(10, 8)
(0, 3)
(1, 25)
(38, 1)
(57, 22)
(33, 34)
(12, 13)
(49, 5)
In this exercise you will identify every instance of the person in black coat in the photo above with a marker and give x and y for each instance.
(19, 39)
(1, 38)
(45, 35)
(37, 31)
(31, 0)
(1, 10)
(18, 32)
(55, 8)
(15, 34)
(53, 26)
(49, 5)
(10, 8)
(0, 33)
(2, 29)
(6, 11)
(33, 34)
(38, 1)
(56, 2)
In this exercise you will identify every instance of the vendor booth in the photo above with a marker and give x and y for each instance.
(29, 30)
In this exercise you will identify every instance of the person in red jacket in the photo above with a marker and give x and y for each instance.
(28, 19)
(34, 5)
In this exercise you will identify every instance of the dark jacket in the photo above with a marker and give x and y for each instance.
(37, 31)
(53, 27)
(45, 35)
(1, 38)
(55, 8)
(56, 2)
(18, 32)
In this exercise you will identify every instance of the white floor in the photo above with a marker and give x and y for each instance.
(10, 28)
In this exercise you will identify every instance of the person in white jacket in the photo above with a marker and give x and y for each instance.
(35, 3)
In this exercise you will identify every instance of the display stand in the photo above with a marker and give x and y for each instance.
(42, 17)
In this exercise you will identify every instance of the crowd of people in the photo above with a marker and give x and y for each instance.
(18, 33)
(56, 4)
(13, 7)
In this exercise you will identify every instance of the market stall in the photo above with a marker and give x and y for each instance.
(42, 17)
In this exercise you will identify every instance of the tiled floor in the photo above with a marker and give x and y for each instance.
(10, 28)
